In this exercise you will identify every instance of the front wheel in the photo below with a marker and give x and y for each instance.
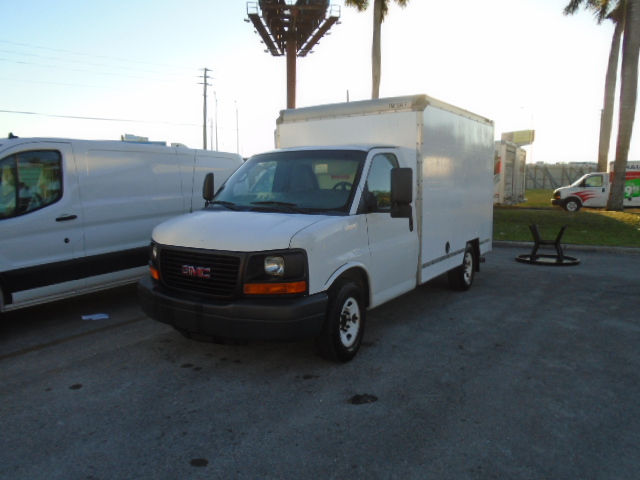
(572, 205)
(461, 278)
(344, 322)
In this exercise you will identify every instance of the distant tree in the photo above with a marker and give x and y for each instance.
(380, 10)
(601, 10)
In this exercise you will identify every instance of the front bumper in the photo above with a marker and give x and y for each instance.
(557, 202)
(245, 319)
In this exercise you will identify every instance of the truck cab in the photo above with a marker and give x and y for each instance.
(590, 190)
(292, 234)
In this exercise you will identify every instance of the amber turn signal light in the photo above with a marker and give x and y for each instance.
(274, 288)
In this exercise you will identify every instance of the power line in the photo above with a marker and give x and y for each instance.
(101, 119)
(92, 63)
(92, 55)
(70, 84)
(82, 70)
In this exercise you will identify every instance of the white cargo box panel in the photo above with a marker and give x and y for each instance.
(509, 173)
(450, 150)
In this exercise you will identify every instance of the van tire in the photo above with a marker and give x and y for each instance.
(572, 204)
(461, 278)
(343, 328)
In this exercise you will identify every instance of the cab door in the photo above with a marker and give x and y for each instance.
(595, 193)
(393, 246)
(41, 233)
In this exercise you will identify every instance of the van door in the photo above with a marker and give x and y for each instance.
(126, 190)
(596, 191)
(392, 245)
(41, 237)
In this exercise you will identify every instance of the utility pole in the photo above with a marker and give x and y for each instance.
(204, 110)
(237, 132)
(215, 96)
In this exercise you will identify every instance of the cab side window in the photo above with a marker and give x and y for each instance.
(595, 181)
(29, 181)
(379, 179)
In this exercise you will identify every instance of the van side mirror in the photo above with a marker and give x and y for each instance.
(402, 194)
(207, 189)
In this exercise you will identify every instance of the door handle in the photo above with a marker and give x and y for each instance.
(64, 218)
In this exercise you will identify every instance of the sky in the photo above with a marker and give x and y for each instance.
(99, 70)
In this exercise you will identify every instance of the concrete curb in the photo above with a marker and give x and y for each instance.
(571, 247)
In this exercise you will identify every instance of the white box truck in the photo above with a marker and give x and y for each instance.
(76, 215)
(362, 202)
(592, 190)
(509, 173)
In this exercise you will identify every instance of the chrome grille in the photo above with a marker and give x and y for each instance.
(223, 272)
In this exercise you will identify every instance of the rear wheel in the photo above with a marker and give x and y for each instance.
(572, 205)
(461, 278)
(343, 328)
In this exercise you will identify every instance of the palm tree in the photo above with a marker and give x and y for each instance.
(601, 11)
(380, 10)
(628, 97)
(628, 14)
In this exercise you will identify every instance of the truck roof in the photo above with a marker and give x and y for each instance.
(415, 103)
(364, 147)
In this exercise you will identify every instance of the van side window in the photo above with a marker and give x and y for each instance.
(379, 179)
(29, 181)
(595, 181)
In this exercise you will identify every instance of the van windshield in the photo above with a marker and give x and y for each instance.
(579, 181)
(301, 181)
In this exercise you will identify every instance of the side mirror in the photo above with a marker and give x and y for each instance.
(207, 189)
(402, 194)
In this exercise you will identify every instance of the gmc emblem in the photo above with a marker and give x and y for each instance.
(200, 272)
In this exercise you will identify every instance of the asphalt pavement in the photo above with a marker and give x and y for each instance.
(532, 374)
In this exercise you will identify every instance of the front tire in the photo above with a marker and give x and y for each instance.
(461, 278)
(343, 328)
(572, 205)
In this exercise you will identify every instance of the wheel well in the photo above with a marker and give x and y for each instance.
(359, 276)
(5, 296)
(577, 199)
(475, 245)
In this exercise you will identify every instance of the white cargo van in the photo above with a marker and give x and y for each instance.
(592, 190)
(76, 215)
(301, 241)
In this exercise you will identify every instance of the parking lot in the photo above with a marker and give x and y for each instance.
(532, 374)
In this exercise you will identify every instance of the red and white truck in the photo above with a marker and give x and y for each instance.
(592, 190)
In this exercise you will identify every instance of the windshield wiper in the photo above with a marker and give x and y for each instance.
(290, 207)
(229, 205)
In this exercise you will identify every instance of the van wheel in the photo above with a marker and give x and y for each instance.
(461, 278)
(572, 205)
(344, 322)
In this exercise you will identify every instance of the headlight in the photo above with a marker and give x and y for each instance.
(275, 273)
(154, 253)
(274, 266)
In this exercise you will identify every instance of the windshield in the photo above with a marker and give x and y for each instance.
(579, 181)
(312, 181)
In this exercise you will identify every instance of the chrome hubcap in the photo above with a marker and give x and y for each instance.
(349, 322)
